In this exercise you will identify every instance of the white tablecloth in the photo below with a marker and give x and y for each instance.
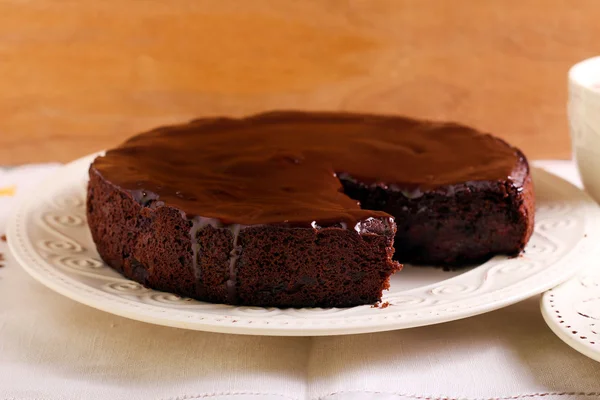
(54, 348)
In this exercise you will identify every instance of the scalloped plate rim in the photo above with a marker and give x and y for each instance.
(376, 319)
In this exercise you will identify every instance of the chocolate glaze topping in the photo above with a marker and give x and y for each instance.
(285, 167)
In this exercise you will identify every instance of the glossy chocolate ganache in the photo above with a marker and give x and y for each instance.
(316, 171)
(285, 168)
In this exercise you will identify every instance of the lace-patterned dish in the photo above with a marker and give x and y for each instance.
(49, 236)
(572, 311)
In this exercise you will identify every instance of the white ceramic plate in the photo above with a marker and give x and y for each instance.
(572, 311)
(49, 236)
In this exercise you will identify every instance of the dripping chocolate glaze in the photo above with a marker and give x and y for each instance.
(198, 223)
(283, 167)
(233, 257)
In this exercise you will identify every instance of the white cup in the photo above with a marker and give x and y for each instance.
(584, 121)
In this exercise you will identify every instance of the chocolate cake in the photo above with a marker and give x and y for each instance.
(295, 209)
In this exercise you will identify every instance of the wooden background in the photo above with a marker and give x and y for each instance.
(79, 76)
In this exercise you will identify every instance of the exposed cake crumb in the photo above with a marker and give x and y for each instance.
(381, 305)
(3, 238)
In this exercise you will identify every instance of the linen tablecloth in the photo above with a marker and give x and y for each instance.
(54, 348)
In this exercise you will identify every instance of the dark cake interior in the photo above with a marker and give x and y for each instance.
(301, 209)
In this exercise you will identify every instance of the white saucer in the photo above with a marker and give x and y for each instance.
(572, 311)
(49, 236)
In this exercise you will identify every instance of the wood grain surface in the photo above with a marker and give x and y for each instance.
(80, 76)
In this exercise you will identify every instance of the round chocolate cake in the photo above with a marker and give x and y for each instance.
(295, 209)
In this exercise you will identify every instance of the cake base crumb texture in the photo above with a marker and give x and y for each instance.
(276, 266)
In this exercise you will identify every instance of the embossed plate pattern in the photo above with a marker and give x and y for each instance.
(572, 311)
(48, 234)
